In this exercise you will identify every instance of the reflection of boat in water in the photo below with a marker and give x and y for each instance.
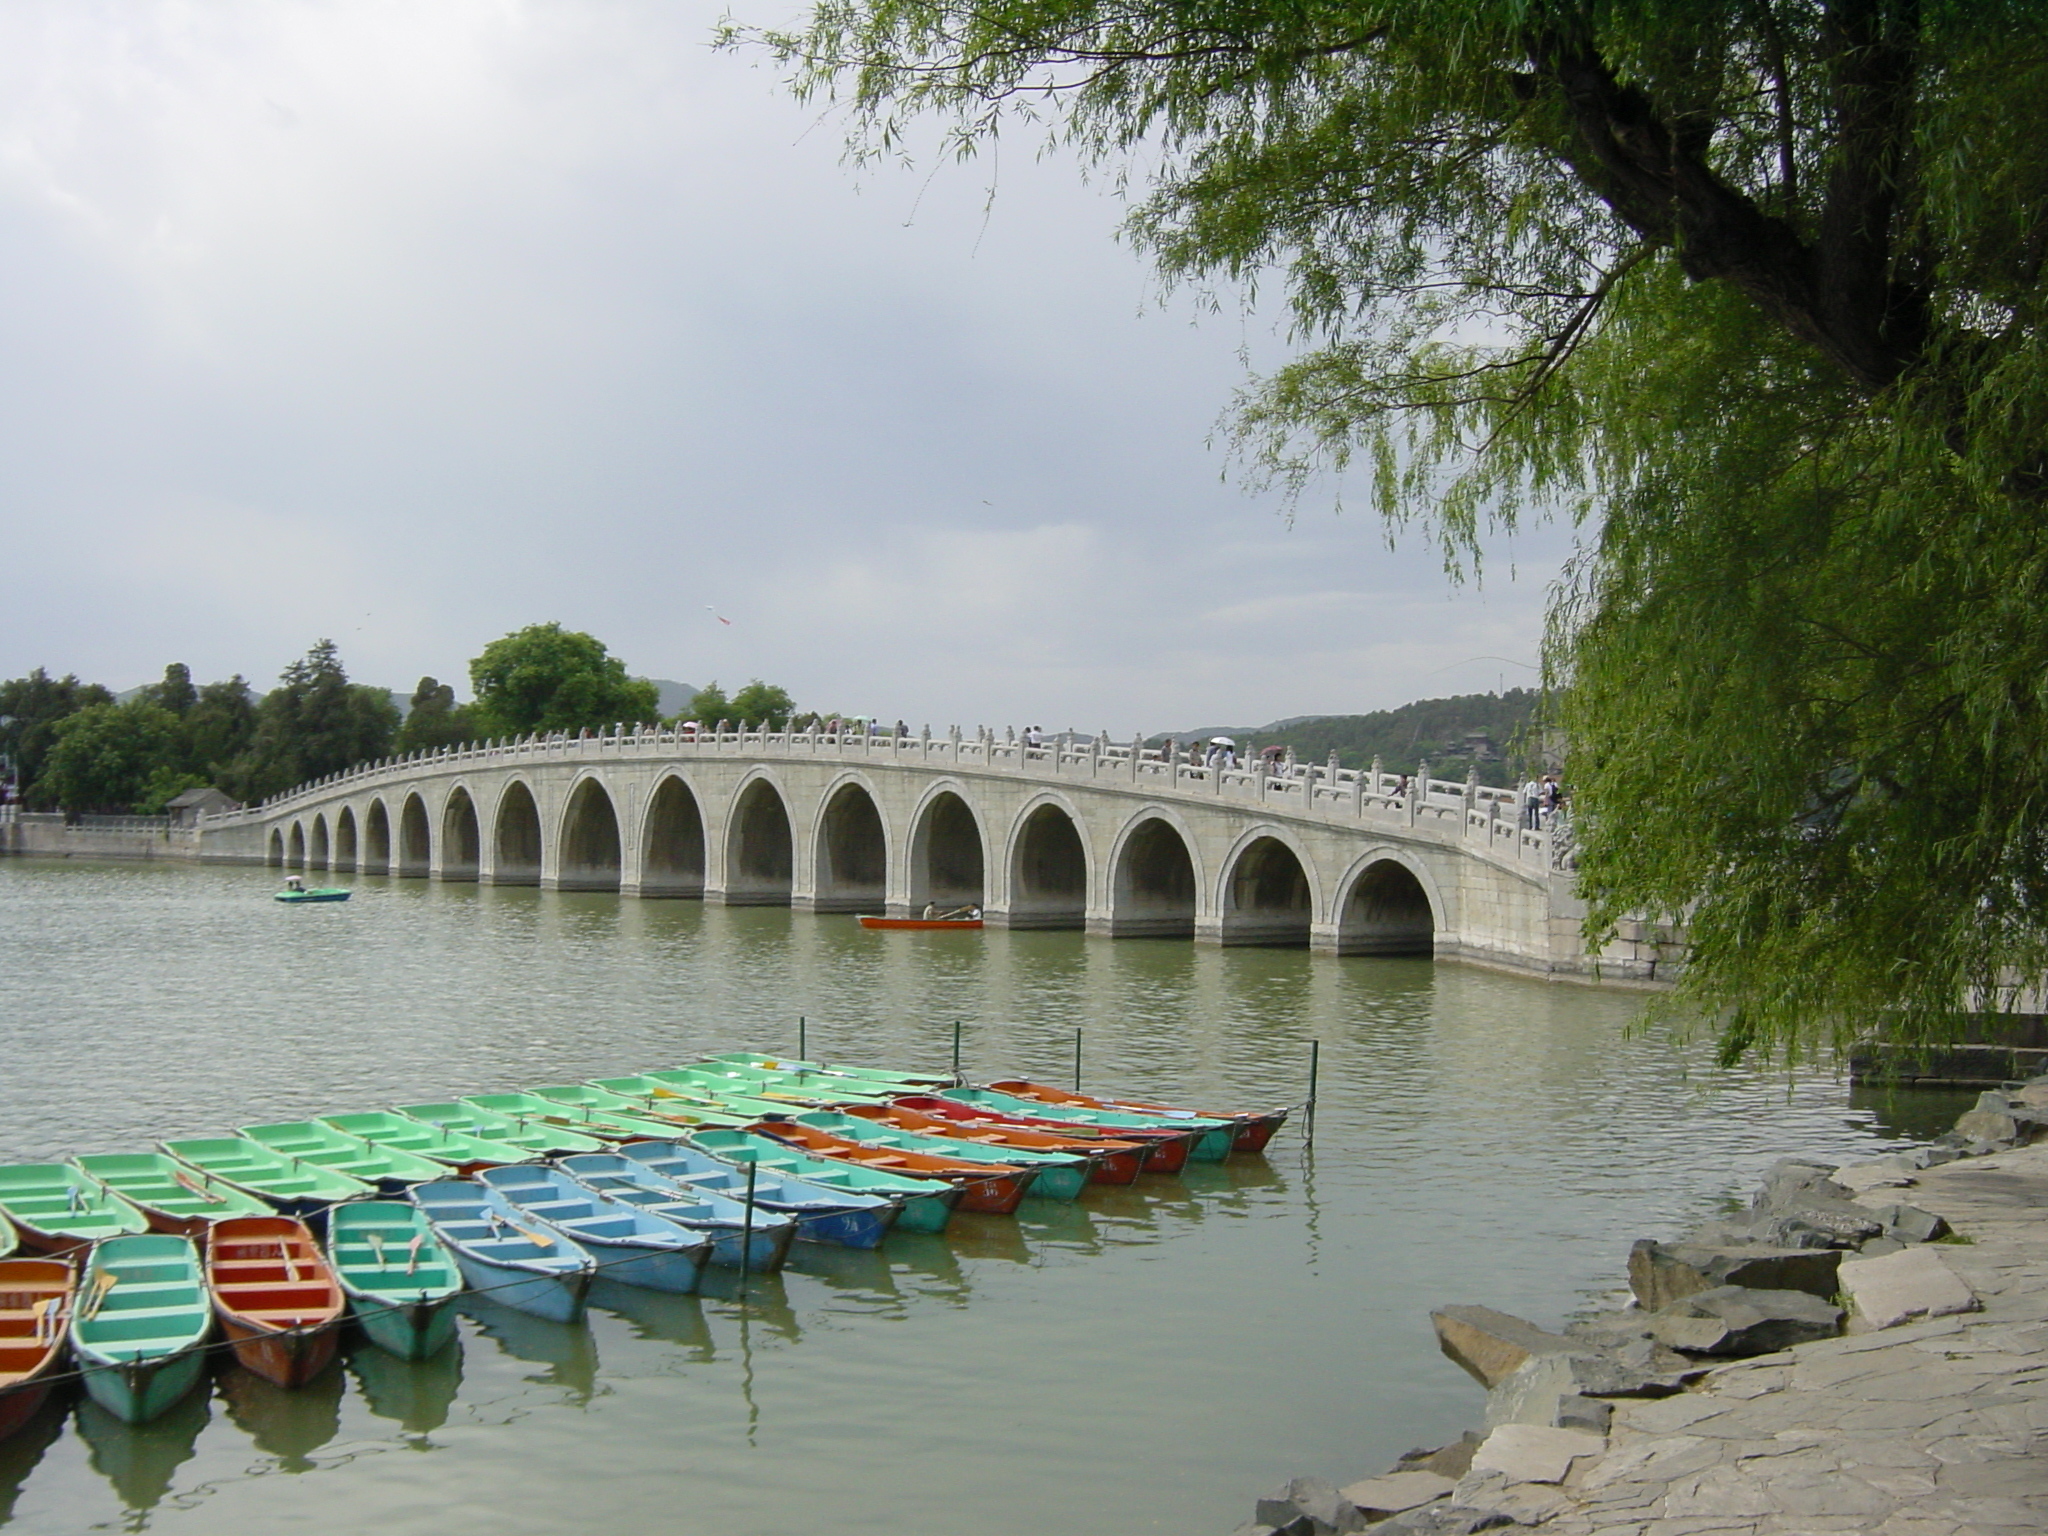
(989, 1237)
(763, 1301)
(141, 1459)
(22, 1450)
(662, 1315)
(415, 1394)
(1060, 1226)
(566, 1349)
(290, 1423)
(1238, 1177)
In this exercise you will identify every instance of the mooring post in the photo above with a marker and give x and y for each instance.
(802, 1031)
(747, 1226)
(1077, 1061)
(956, 1049)
(1315, 1061)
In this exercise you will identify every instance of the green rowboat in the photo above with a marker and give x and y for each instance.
(311, 1141)
(533, 1138)
(288, 1186)
(175, 1198)
(399, 1278)
(57, 1207)
(452, 1149)
(140, 1324)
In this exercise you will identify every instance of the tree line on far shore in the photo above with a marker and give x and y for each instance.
(73, 745)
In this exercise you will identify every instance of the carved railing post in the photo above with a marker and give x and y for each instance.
(1418, 791)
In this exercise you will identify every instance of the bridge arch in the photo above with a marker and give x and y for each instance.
(1388, 905)
(850, 849)
(273, 852)
(672, 841)
(295, 847)
(377, 839)
(318, 849)
(1048, 866)
(415, 837)
(515, 836)
(948, 851)
(1269, 893)
(461, 836)
(760, 847)
(590, 850)
(345, 838)
(1154, 885)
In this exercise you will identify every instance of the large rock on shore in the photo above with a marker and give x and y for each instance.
(1903, 1287)
(1660, 1273)
(1736, 1321)
(1492, 1345)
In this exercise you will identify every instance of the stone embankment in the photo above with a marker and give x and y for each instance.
(1866, 1349)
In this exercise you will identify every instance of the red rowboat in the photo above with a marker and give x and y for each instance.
(35, 1306)
(275, 1296)
(1112, 1162)
(985, 1187)
(919, 922)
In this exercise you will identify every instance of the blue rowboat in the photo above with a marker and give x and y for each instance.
(759, 1235)
(631, 1245)
(926, 1204)
(505, 1254)
(531, 1137)
(140, 1324)
(823, 1214)
(400, 1278)
(1061, 1175)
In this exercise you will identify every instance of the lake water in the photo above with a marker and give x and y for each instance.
(1149, 1360)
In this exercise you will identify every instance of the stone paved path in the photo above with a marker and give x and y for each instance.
(1932, 1428)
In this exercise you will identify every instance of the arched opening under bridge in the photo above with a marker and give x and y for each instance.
(1267, 898)
(590, 841)
(672, 862)
(461, 840)
(295, 849)
(515, 839)
(853, 854)
(415, 838)
(273, 854)
(760, 851)
(945, 856)
(1152, 894)
(318, 850)
(1048, 872)
(1386, 912)
(377, 839)
(345, 838)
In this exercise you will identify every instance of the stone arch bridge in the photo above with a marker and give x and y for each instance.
(1121, 841)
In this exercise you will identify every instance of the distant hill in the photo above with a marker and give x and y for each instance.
(1494, 729)
(675, 697)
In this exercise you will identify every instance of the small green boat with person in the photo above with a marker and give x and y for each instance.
(400, 1280)
(140, 1323)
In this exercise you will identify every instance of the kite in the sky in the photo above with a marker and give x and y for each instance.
(718, 616)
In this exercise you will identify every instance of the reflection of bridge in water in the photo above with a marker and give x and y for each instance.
(1120, 841)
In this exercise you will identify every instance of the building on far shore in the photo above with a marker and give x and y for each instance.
(187, 808)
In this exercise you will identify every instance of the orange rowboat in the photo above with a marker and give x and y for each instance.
(275, 1296)
(35, 1306)
(919, 922)
(1249, 1130)
(991, 1189)
(1110, 1162)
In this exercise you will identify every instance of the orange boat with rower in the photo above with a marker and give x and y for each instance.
(992, 1190)
(964, 917)
(1111, 1162)
(35, 1307)
(274, 1294)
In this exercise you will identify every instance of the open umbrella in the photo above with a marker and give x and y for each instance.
(1222, 741)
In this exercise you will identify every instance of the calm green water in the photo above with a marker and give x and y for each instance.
(1150, 1360)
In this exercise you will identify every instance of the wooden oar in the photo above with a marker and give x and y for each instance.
(199, 1189)
(376, 1241)
(412, 1252)
(102, 1283)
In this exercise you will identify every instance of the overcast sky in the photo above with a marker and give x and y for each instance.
(412, 324)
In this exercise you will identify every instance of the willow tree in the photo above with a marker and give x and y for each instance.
(1751, 289)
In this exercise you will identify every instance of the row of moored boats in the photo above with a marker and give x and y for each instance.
(131, 1260)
